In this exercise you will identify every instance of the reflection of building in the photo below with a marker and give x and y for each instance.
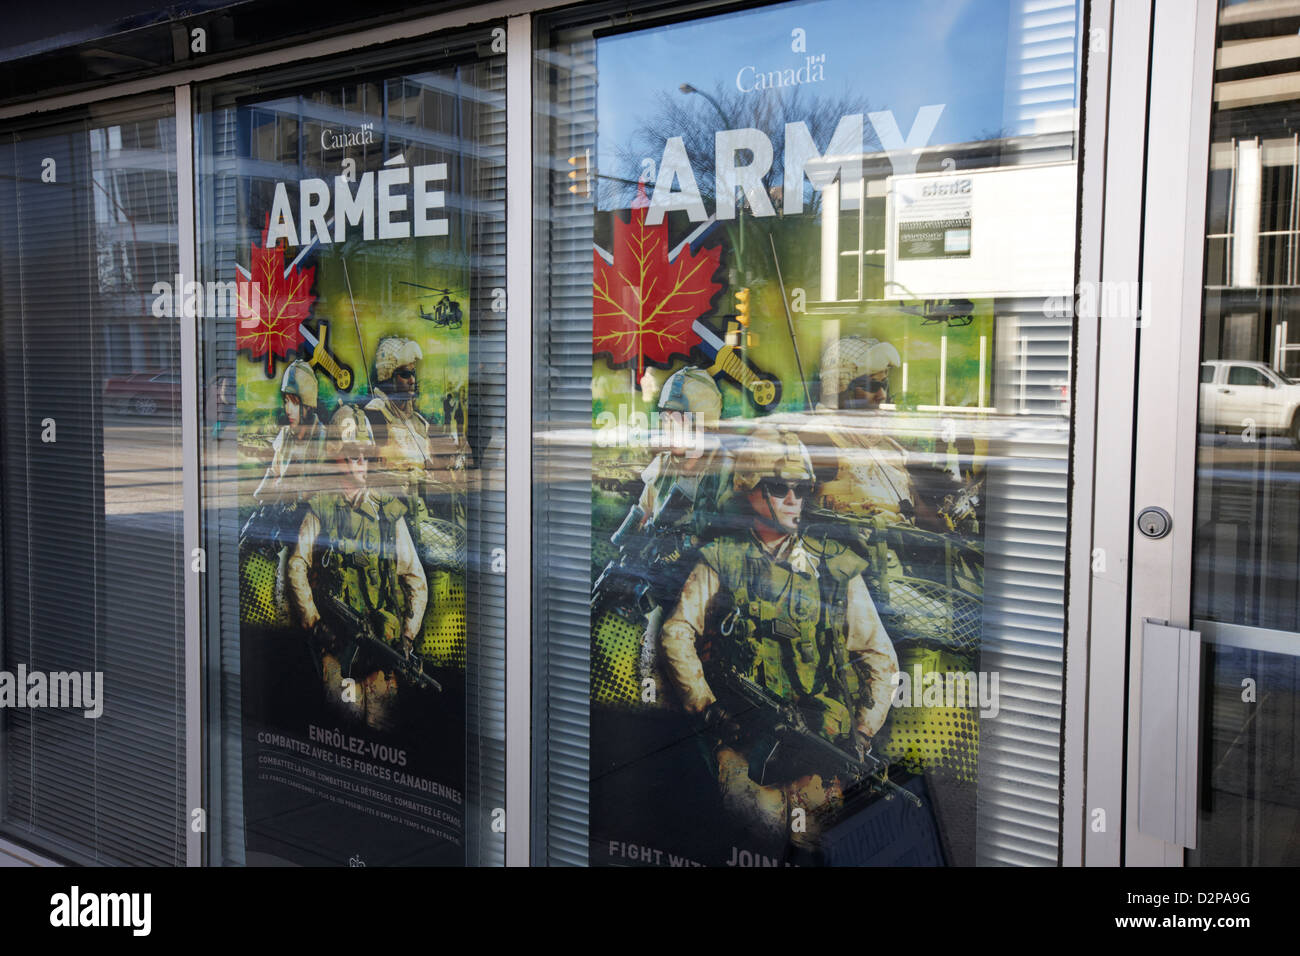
(1252, 313)
(135, 223)
(1252, 269)
(988, 228)
(1010, 244)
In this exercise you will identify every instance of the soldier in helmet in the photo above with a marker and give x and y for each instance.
(685, 488)
(406, 459)
(354, 549)
(297, 447)
(695, 463)
(761, 605)
(294, 472)
(401, 432)
(453, 420)
(869, 470)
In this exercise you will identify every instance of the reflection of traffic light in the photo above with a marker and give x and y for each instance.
(742, 307)
(578, 175)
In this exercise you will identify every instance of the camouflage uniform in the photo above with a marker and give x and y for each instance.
(871, 474)
(683, 490)
(293, 474)
(355, 545)
(405, 458)
(804, 629)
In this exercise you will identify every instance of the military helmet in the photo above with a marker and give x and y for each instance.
(299, 380)
(771, 451)
(853, 356)
(691, 389)
(349, 433)
(392, 353)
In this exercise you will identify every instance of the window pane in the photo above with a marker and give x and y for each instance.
(354, 455)
(803, 399)
(1245, 375)
(92, 489)
(1245, 598)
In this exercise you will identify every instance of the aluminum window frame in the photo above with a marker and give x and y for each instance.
(1108, 247)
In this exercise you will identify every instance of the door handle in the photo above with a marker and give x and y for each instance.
(1168, 761)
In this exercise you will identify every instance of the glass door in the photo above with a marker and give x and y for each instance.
(1245, 599)
(1215, 625)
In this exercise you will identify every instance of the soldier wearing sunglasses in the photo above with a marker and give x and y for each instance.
(409, 467)
(868, 469)
(758, 606)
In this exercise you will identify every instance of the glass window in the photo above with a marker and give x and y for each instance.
(1245, 375)
(1207, 374)
(93, 741)
(352, 253)
(1245, 598)
(804, 341)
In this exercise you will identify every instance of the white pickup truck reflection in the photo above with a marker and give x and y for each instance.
(1242, 395)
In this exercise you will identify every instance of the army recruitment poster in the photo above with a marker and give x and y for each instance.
(787, 401)
(352, 373)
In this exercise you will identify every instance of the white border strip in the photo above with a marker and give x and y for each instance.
(1263, 639)
(519, 437)
(1115, 345)
(190, 425)
(1083, 403)
(15, 854)
(1164, 463)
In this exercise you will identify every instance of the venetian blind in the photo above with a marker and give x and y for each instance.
(92, 500)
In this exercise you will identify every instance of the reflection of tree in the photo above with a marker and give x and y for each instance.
(695, 118)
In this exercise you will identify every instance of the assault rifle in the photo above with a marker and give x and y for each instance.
(857, 532)
(625, 577)
(269, 527)
(784, 728)
(360, 632)
(959, 510)
(639, 577)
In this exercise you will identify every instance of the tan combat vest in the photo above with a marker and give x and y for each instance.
(358, 558)
(774, 632)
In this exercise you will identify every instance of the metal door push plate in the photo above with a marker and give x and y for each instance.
(1154, 522)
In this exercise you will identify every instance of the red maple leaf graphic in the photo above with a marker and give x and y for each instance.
(272, 304)
(643, 305)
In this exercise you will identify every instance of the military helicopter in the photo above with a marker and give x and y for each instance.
(446, 311)
(955, 313)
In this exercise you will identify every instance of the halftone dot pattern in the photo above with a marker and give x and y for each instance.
(442, 641)
(602, 552)
(615, 654)
(938, 740)
(257, 604)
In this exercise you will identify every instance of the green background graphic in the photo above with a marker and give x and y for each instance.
(385, 306)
